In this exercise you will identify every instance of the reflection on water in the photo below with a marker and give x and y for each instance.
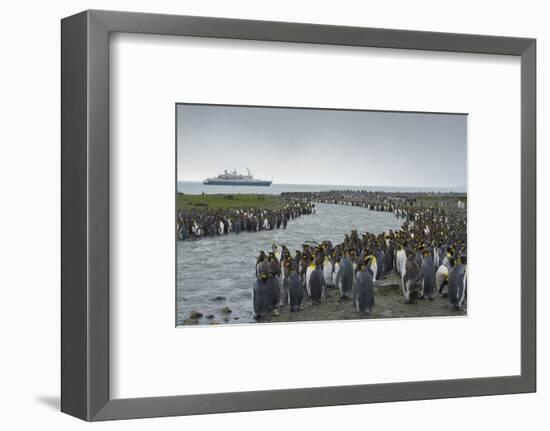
(224, 266)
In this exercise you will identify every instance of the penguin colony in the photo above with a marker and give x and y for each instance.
(197, 223)
(428, 253)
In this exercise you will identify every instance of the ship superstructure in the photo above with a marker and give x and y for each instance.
(233, 178)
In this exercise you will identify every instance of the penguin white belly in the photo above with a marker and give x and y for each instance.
(436, 258)
(309, 270)
(407, 290)
(441, 276)
(400, 261)
(464, 286)
(354, 293)
(374, 269)
(337, 282)
(327, 273)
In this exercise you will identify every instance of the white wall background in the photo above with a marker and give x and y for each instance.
(30, 216)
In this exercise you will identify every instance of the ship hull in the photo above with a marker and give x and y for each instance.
(216, 182)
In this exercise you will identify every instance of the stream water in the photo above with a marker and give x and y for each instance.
(223, 266)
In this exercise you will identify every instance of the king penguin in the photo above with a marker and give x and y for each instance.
(457, 284)
(295, 290)
(346, 276)
(428, 277)
(260, 295)
(316, 285)
(364, 300)
(273, 292)
(412, 279)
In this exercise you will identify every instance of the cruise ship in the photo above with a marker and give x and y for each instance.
(235, 179)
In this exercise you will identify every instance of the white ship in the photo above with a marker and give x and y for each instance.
(235, 179)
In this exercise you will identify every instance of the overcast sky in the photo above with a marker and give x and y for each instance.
(309, 146)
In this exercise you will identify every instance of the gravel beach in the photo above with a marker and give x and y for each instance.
(388, 303)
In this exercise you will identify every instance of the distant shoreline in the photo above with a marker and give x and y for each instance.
(197, 187)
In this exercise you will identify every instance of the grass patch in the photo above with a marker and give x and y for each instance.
(229, 201)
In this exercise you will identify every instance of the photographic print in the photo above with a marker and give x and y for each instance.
(306, 214)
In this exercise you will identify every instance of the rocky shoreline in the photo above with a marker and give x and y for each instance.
(389, 303)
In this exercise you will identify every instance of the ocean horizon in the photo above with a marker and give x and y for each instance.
(197, 188)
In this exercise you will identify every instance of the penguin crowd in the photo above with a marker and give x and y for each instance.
(428, 253)
(401, 204)
(198, 223)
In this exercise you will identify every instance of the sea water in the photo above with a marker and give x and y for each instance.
(197, 188)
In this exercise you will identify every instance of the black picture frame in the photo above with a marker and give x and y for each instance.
(85, 214)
